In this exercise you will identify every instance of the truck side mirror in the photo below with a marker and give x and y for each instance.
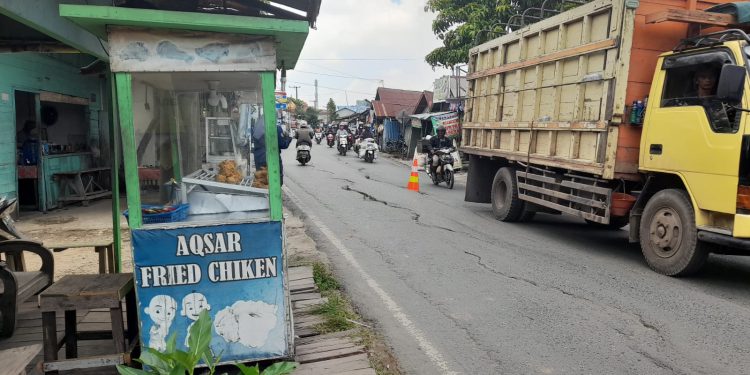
(731, 83)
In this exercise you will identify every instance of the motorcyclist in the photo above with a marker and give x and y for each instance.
(304, 135)
(436, 143)
(366, 133)
(342, 132)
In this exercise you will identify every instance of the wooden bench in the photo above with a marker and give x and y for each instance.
(82, 186)
(18, 286)
(105, 249)
(14, 361)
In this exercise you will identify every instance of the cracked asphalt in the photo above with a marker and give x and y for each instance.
(553, 296)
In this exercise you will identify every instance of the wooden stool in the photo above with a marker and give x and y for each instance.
(85, 292)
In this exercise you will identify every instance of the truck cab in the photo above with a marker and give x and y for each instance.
(695, 131)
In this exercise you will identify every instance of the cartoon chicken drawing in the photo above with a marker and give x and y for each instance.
(246, 322)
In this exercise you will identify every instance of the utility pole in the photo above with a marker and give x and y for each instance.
(316, 94)
(296, 91)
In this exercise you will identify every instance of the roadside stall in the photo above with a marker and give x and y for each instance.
(195, 97)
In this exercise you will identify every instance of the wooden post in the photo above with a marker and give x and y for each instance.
(114, 146)
(273, 159)
(125, 109)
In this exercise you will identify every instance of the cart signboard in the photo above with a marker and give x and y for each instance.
(233, 271)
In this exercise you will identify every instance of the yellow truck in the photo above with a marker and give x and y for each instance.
(620, 112)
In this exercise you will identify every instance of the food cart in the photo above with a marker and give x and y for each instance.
(195, 99)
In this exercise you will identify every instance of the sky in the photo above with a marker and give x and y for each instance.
(351, 31)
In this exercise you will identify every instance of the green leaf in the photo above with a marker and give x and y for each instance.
(248, 370)
(171, 343)
(200, 335)
(184, 359)
(154, 358)
(280, 368)
(177, 370)
(125, 370)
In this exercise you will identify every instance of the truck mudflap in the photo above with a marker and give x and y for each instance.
(732, 245)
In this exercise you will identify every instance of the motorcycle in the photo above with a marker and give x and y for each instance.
(351, 140)
(330, 140)
(318, 137)
(303, 154)
(444, 171)
(343, 145)
(368, 150)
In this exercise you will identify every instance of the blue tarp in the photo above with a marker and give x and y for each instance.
(740, 10)
(391, 130)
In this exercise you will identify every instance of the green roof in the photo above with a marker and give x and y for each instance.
(290, 35)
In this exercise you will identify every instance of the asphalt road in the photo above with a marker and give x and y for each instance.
(454, 290)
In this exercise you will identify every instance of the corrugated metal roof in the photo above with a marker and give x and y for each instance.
(390, 102)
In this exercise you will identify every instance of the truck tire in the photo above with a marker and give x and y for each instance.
(669, 237)
(505, 203)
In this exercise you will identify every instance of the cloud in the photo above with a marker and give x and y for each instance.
(373, 29)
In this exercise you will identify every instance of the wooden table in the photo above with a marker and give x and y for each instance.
(84, 292)
(81, 186)
(105, 250)
(14, 361)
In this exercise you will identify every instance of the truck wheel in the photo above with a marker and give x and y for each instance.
(669, 238)
(615, 222)
(505, 203)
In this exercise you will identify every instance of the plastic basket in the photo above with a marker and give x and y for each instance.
(179, 214)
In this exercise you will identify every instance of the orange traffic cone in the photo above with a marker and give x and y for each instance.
(414, 178)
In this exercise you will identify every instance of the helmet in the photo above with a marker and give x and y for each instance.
(304, 125)
(441, 130)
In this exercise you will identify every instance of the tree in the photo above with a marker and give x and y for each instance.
(331, 109)
(463, 24)
(299, 107)
(311, 116)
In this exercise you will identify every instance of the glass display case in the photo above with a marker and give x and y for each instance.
(196, 130)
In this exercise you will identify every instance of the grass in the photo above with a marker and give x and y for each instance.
(324, 278)
(337, 311)
(338, 315)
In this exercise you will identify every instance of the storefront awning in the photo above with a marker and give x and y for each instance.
(425, 116)
(289, 35)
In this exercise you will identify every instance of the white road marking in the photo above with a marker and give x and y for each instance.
(390, 304)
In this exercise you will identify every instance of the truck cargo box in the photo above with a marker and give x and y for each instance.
(557, 93)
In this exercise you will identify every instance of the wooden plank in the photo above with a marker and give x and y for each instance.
(108, 360)
(305, 296)
(313, 348)
(14, 361)
(309, 303)
(558, 55)
(363, 371)
(349, 363)
(323, 342)
(314, 357)
(305, 332)
(691, 16)
(341, 334)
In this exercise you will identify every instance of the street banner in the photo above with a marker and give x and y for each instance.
(281, 100)
(449, 121)
(234, 271)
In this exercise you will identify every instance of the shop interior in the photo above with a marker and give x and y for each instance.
(56, 162)
(194, 136)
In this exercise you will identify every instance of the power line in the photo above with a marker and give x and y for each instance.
(332, 88)
(339, 76)
(360, 59)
